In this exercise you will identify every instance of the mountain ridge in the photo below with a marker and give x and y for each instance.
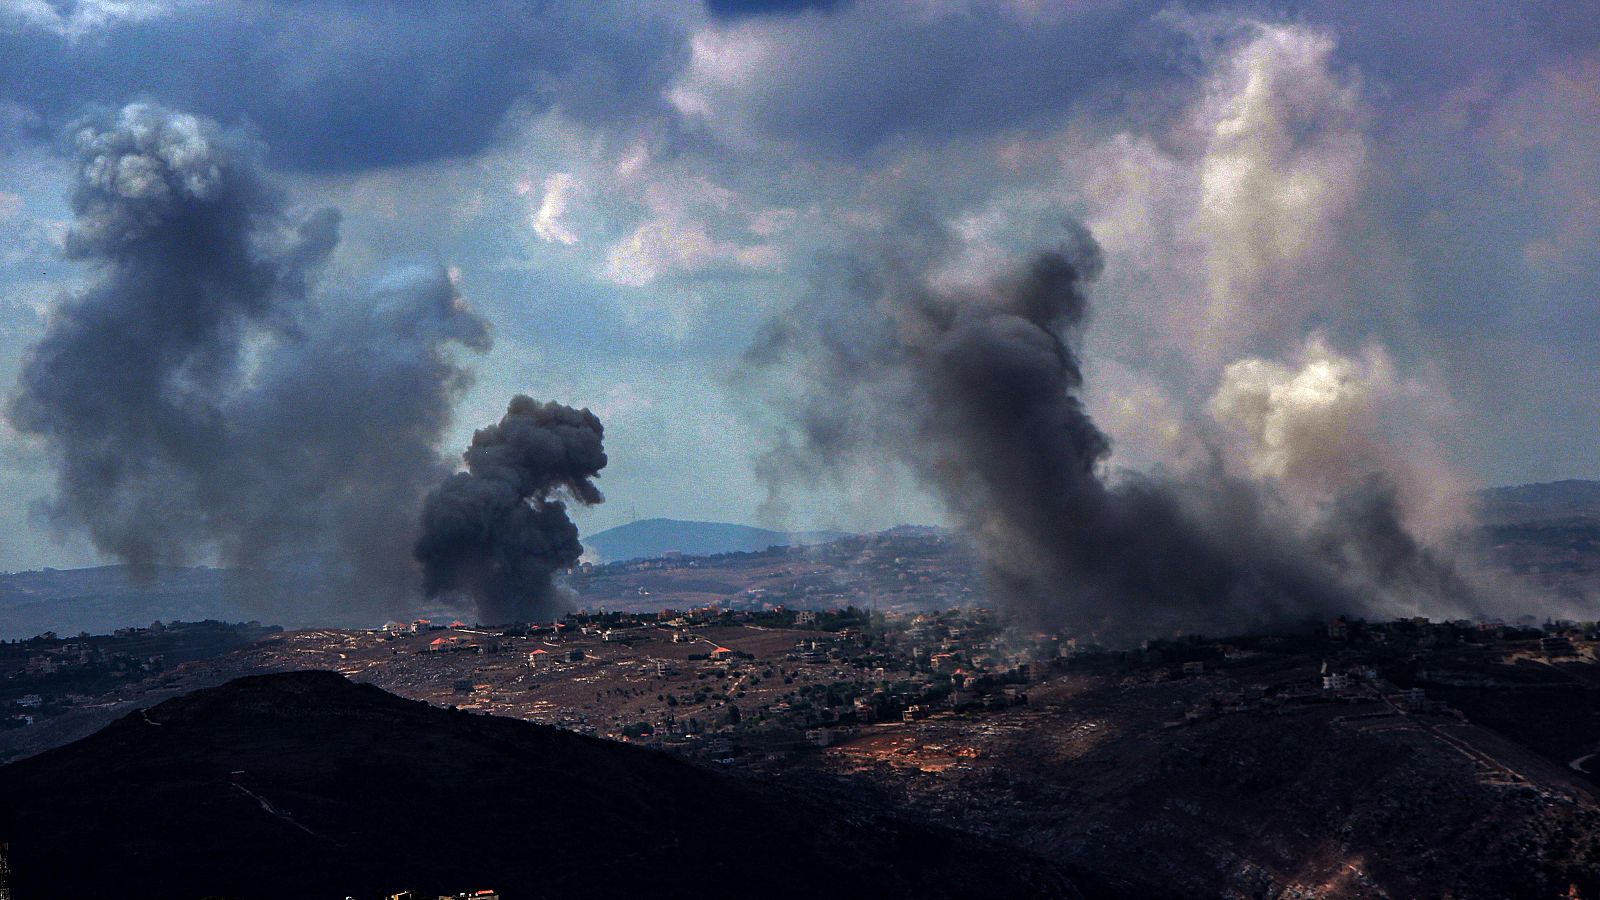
(649, 538)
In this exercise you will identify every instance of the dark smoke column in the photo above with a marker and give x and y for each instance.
(212, 394)
(496, 533)
(976, 387)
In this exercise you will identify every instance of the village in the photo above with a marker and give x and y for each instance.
(49, 675)
(755, 685)
(722, 684)
(964, 716)
(903, 570)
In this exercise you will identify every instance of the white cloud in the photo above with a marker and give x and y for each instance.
(82, 18)
(661, 248)
(551, 221)
(692, 226)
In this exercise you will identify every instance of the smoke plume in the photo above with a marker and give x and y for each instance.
(203, 399)
(496, 533)
(976, 385)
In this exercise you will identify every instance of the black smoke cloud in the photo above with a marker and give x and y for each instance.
(496, 533)
(201, 398)
(977, 390)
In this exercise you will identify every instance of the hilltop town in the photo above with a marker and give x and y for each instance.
(861, 673)
(956, 715)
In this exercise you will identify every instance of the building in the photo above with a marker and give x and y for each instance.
(722, 654)
(42, 665)
(805, 617)
(1194, 667)
(1557, 645)
(1336, 681)
(1338, 630)
(537, 656)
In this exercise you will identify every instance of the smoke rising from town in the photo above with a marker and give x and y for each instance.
(975, 385)
(207, 397)
(497, 533)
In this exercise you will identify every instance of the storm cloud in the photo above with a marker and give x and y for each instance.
(341, 86)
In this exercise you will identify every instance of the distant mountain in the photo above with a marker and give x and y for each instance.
(649, 538)
(102, 599)
(307, 785)
(1548, 501)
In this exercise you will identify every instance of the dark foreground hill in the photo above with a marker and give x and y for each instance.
(306, 785)
(650, 538)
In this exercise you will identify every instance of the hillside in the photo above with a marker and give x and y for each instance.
(102, 599)
(1548, 536)
(657, 537)
(307, 785)
(1540, 502)
(1547, 533)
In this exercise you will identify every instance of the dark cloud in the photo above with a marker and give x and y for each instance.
(346, 86)
(496, 533)
(869, 75)
(738, 9)
(199, 397)
(977, 390)
(1440, 45)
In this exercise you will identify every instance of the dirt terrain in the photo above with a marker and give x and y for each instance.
(1345, 799)
(1404, 759)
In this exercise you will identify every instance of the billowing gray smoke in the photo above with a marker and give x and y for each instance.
(202, 398)
(496, 533)
(977, 390)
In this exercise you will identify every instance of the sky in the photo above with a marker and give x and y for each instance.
(1333, 238)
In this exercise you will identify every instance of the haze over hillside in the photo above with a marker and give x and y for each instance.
(1552, 527)
(101, 599)
(648, 538)
(1546, 501)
